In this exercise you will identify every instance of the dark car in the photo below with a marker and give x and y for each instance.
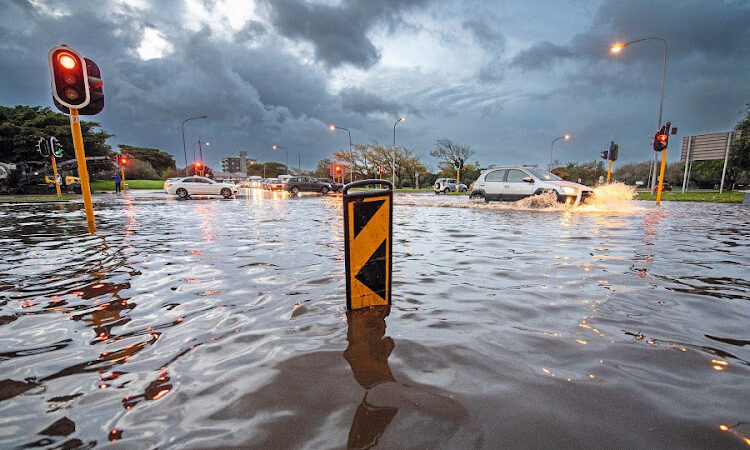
(296, 185)
(335, 186)
(666, 187)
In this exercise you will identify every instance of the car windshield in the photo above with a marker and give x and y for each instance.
(543, 174)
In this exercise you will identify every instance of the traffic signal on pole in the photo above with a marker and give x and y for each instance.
(122, 160)
(70, 84)
(338, 169)
(42, 146)
(605, 155)
(613, 152)
(76, 82)
(55, 147)
(661, 139)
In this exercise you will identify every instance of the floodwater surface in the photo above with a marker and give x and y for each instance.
(220, 323)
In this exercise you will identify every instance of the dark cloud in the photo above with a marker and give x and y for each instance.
(338, 33)
(485, 35)
(363, 102)
(541, 56)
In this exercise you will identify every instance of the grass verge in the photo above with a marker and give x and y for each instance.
(34, 198)
(109, 185)
(712, 197)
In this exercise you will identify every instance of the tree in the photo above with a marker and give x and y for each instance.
(22, 126)
(449, 153)
(587, 172)
(136, 169)
(159, 160)
(269, 169)
(738, 164)
(323, 168)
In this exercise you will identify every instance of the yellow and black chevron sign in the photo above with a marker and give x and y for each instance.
(367, 234)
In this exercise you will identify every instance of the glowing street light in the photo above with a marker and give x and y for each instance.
(617, 48)
(552, 148)
(276, 147)
(351, 156)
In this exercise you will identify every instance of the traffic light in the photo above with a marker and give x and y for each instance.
(55, 147)
(70, 85)
(42, 146)
(661, 139)
(338, 169)
(76, 82)
(122, 160)
(382, 170)
(613, 152)
(605, 155)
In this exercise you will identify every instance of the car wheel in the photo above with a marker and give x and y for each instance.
(182, 193)
(478, 196)
(295, 190)
(446, 191)
(226, 192)
(324, 189)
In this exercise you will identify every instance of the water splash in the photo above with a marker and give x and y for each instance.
(607, 198)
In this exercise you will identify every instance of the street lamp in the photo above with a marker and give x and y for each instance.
(351, 156)
(393, 161)
(200, 149)
(275, 147)
(617, 48)
(552, 148)
(184, 150)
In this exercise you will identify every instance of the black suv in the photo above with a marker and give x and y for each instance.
(296, 185)
(335, 186)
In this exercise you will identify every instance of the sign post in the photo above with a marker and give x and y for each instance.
(368, 231)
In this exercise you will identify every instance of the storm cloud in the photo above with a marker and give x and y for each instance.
(502, 77)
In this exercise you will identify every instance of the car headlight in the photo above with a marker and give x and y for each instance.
(569, 190)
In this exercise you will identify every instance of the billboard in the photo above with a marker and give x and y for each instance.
(704, 147)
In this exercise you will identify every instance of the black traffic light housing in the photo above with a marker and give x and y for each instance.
(614, 149)
(42, 146)
(76, 81)
(55, 147)
(661, 138)
(605, 155)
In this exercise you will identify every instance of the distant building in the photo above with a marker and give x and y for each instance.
(236, 164)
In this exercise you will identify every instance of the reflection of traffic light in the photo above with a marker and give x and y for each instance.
(56, 147)
(70, 86)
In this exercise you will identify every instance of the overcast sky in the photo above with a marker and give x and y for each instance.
(504, 77)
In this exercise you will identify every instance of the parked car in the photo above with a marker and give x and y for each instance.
(275, 184)
(335, 186)
(513, 183)
(296, 185)
(446, 185)
(666, 187)
(195, 185)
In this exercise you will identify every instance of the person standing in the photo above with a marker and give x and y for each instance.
(118, 180)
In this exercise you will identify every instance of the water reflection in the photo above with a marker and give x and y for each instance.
(367, 355)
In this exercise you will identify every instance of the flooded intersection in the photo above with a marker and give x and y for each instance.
(213, 323)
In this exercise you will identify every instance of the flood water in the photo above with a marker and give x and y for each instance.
(220, 323)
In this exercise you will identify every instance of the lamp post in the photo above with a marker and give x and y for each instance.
(200, 149)
(287, 154)
(184, 150)
(351, 156)
(617, 48)
(552, 148)
(393, 161)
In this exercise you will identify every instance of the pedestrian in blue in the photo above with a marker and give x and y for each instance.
(118, 180)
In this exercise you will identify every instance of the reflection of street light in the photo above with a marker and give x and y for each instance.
(552, 148)
(351, 157)
(183, 140)
(287, 155)
(617, 48)
(393, 162)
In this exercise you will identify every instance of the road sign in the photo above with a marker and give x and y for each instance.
(368, 230)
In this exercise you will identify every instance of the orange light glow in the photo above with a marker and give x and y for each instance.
(66, 60)
(160, 394)
(723, 427)
(617, 48)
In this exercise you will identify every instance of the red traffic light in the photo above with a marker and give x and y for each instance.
(198, 164)
(70, 86)
(338, 169)
(124, 160)
(662, 137)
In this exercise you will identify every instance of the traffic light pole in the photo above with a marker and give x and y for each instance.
(83, 173)
(661, 175)
(122, 174)
(54, 171)
(609, 170)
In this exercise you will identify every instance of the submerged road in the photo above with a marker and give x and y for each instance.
(216, 323)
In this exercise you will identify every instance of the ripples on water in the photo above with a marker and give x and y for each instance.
(211, 323)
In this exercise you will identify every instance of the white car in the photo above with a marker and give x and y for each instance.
(513, 183)
(195, 185)
(446, 185)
